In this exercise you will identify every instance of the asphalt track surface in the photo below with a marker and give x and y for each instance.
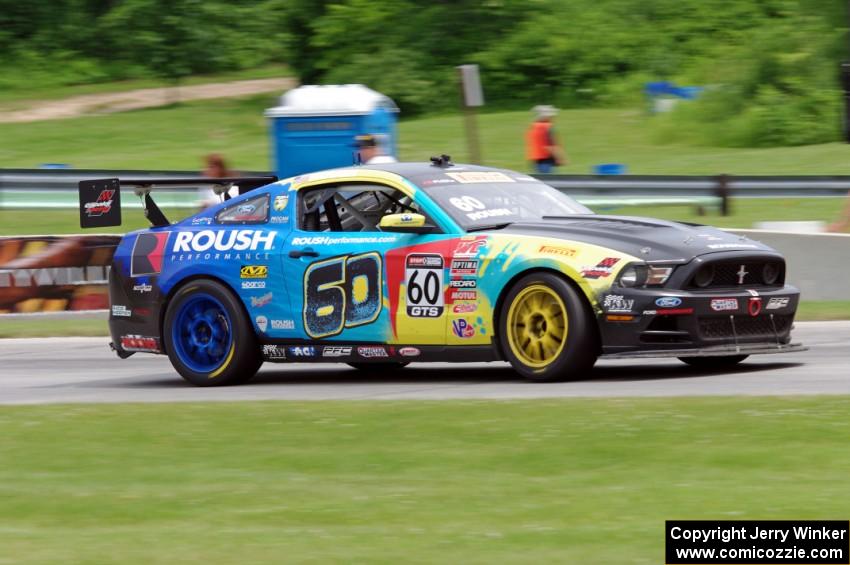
(74, 370)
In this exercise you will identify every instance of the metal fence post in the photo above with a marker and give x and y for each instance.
(722, 192)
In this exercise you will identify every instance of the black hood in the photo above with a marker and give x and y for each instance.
(647, 238)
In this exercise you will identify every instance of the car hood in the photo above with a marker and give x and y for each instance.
(647, 238)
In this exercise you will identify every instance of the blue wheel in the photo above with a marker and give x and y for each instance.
(208, 338)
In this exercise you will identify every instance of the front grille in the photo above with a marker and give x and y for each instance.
(739, 273)
(720, 327)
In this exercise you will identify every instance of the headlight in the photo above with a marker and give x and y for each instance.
(633, 275)
(770, 273)
(704, 276)
(658, 275)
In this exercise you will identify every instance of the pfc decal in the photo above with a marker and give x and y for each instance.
(139, 343)
(102, 205)
(342, 292)
(462, 328)
(617, 303)
(271, 352)
(456, 295)
(260, 301)
(668, 302)
(372, 351)
(253, 284)
(776, 303)
(336, 351)
(464, 267)
(554, 250)
(142, 287)
(148, 250)
(280, 202)
(122, 311)
(223, 240)
(423, 277)
(464, 308)
(724, 304)
(302, 351)
(262, 323)
(254, 272)
(602, 269)
(464, 283)
(409, 352)
(283, 324)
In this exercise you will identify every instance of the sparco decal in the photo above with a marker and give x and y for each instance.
(423, 277)
(223, 240)
(148, 250)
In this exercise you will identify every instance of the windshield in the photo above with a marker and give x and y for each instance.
(504, 200)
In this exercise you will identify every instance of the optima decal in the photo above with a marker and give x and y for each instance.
(224, 240)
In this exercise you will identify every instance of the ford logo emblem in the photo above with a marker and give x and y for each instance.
(668, 302)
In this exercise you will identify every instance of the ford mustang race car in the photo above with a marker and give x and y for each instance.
(378, 266)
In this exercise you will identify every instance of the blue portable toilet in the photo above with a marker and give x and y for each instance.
(314, 127)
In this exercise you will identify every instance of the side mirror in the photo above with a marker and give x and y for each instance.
(405, 223)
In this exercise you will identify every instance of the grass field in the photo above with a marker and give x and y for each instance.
(177, 138)
(86, 325)
(551, 481)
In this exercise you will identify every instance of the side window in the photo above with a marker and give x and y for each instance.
(351, 207)
(250, 211)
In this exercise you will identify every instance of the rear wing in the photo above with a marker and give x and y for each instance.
(100, 199)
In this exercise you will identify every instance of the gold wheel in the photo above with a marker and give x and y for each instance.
(537, 326)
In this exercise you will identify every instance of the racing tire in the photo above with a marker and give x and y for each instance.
(547, 330)
(208, 337)
(379, 367)
(713, 362)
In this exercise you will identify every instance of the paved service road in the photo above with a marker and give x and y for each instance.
(52, 370)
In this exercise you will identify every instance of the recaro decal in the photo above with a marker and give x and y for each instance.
(342, 292)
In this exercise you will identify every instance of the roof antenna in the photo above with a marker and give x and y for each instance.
(442, 161)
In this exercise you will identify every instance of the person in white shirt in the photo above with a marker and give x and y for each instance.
(370, 151)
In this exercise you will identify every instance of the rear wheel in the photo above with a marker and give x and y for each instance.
(209, 339)
(713, 362)
(547, 330)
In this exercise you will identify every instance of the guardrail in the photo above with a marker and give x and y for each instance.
(57, 188)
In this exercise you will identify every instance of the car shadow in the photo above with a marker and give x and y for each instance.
(325, 374)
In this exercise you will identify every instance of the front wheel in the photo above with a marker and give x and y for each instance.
(209, 339)
(547, 330)
(713, 362)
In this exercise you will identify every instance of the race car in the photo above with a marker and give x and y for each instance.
(378, 266)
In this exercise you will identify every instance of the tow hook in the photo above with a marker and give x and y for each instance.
(120, 352)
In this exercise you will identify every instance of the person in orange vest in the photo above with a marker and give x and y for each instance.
(542, 148)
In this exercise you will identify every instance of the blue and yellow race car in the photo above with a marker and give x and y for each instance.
(379, 266)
